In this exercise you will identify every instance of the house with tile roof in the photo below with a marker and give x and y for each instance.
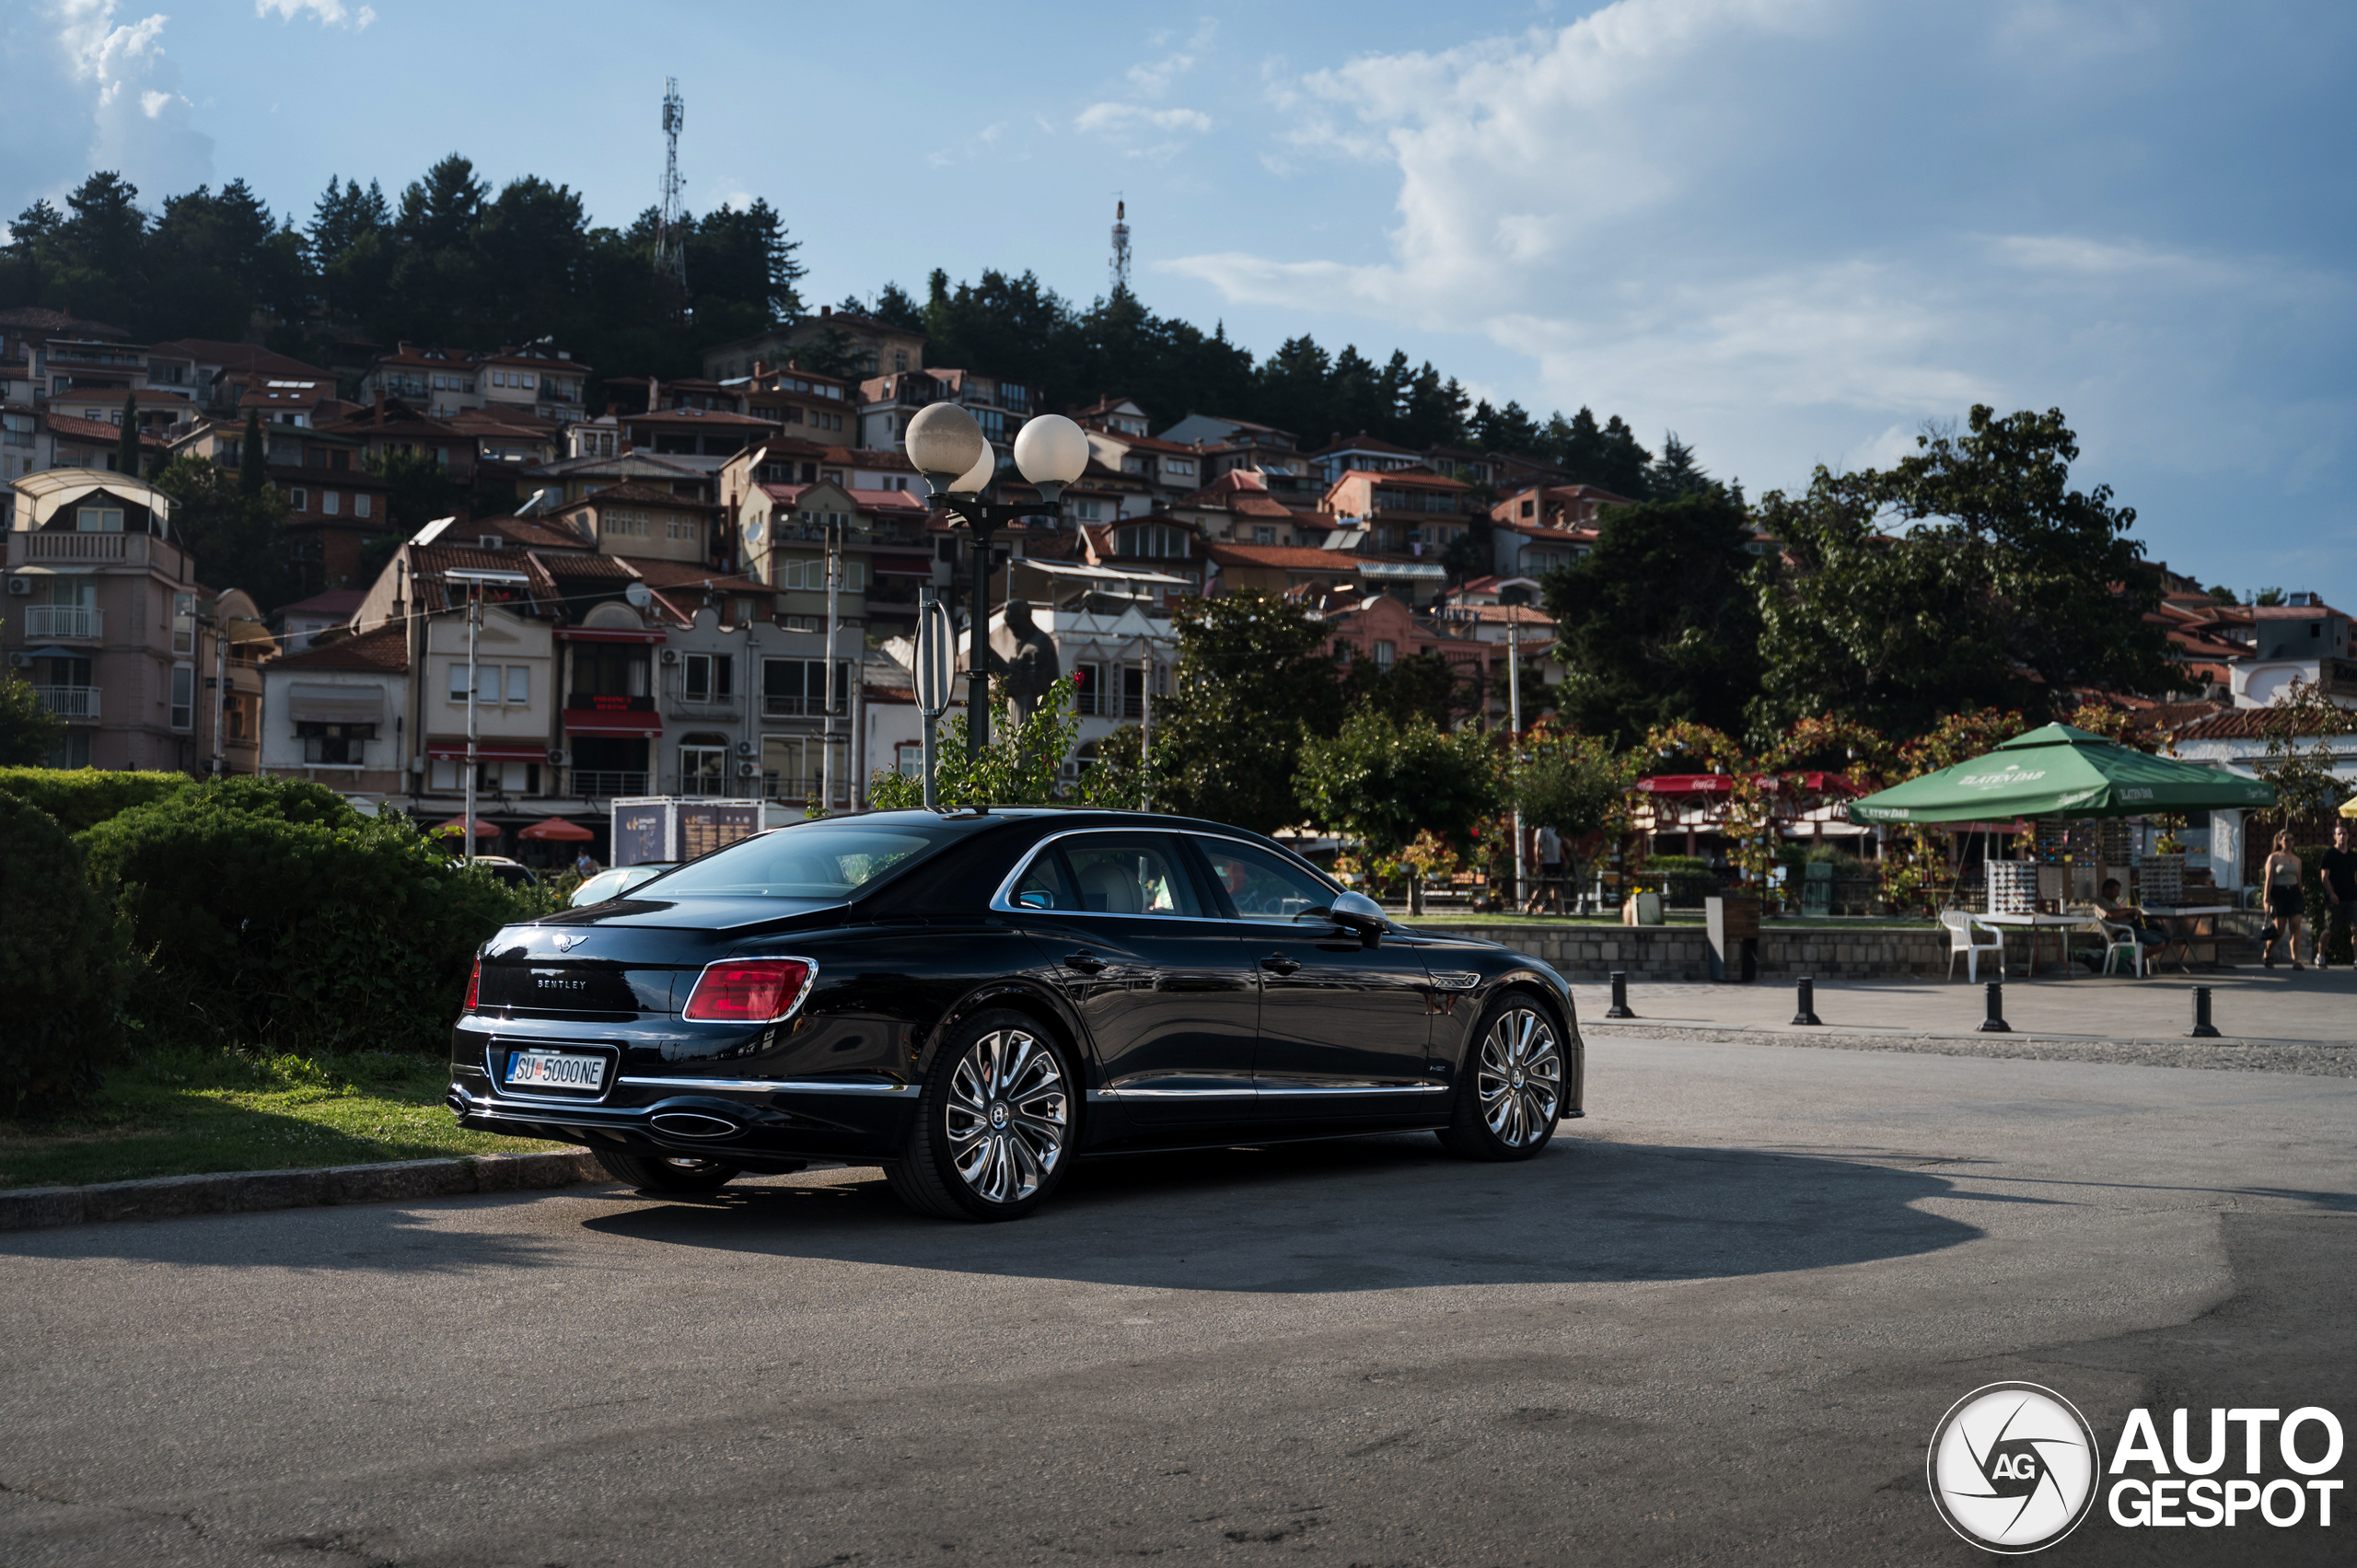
(331, 709)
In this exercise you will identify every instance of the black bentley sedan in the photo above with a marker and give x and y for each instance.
(973, 1000)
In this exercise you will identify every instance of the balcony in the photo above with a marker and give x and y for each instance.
(81, 548)
(607, 785)
(70, 702)
(71, 622)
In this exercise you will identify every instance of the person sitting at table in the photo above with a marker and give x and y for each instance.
(2286, 906)
(2129, 915)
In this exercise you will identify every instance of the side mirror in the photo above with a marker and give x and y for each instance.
(1356, 912)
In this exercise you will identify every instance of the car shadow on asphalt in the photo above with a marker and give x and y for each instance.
(1369, 1214)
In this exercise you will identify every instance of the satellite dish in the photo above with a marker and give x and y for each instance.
(638, 595)
(753, 531)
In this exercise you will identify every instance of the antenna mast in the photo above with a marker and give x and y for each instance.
(670, 238)
(1120, 247)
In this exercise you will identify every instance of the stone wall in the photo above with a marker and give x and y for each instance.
(1682, 952)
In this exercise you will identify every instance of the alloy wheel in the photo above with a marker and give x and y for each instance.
(1520, 1079)
(1008, 1111)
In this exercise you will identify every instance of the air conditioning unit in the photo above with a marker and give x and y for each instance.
(20, 585)
(670, 655)
(747, 770)
(557, 758)
(21, 661)
(743, 748)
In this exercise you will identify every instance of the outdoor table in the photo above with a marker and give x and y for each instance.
(2189, 923)
(2061, 924)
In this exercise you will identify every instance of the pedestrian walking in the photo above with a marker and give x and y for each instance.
(585, 865)
(2337, 871)
(2285, 910)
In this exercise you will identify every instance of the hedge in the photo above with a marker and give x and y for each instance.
(272, 915)
(63, 967)
(81, 798)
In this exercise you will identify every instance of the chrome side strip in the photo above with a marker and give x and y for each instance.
(773, 1085)
(1328, 1090)
(1172, 1094)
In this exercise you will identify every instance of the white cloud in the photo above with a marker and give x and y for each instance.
(1793, 229)
(92, 88)
(1153, 77)
(327, 12)
(1118, 116)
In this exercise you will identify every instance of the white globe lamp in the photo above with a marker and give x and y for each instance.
(973, 481)
(1052, 452)
(944, 443)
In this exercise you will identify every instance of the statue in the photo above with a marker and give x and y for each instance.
(1030, 667)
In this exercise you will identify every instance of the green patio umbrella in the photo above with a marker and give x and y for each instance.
(2061, 772)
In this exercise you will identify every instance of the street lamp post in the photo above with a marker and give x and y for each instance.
(947, 447)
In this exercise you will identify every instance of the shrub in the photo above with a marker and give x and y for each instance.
(272, 915)
(62, 967)
(81, 798)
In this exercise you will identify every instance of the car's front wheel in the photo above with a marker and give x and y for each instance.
(995, 1126)
(654, 1173)
(1511, 1088)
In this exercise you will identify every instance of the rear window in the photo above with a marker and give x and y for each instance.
(814, 860)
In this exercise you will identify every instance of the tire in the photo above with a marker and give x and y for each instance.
(1510, 1090)
(995, 1126)
(655, 1173)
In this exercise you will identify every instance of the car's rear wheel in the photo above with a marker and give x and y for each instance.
(1511, 1088)
(995, 1126)
(655, 1173)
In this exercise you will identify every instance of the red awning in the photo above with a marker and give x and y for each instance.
(489, 750)
(902, 565)
(458, 825)
(609, 634)
(621, 722)
(557, 828)
(1721, 783)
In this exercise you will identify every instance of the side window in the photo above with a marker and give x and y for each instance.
(1043, 886)
(1262, 886)
(1130, 874)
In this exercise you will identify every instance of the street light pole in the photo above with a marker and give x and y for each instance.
(947, 447)
(826, 726)
(474, 623)
(1513, 745)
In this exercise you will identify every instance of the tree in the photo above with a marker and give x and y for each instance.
(1577, 784)
(1381, 784)
(1659, 622)
(1969, 573)
(28, 731)
(126, 445)
(1606, 456)
(236, 536)
(2300, 726)
(253, 457)
(1676, 472)
(1022, 765)
(418, 492)
(1251, 683)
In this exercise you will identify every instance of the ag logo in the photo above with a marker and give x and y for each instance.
(2013, 1468)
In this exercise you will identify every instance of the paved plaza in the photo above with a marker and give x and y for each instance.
(1714, 1323)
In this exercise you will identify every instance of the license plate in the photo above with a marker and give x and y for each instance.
(556, 1070)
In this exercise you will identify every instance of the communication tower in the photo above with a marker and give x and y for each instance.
(1120, 247)
(671, 236)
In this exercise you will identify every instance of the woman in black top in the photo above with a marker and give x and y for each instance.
(2337, 871)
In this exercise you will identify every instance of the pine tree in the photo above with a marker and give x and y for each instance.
(127, 446)
(253, 474)
(1676, 472)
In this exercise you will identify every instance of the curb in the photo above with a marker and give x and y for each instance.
(253, 1192)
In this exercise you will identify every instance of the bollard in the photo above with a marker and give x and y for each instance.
(1994, 1024)
(2202, 1028)
(1619, 1008)
(1807, 1014)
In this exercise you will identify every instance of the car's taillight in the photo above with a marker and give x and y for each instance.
(474, 987)
(747, 991)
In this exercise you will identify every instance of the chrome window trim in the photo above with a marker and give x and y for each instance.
(810, 980)
(772, 1085)
(1003, 902)
(1328, 1090)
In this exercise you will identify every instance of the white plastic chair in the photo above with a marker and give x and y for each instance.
(2120, 938)
(1960, 943)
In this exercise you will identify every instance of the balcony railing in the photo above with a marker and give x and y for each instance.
(72, 621)
(78, 547)
(69, 702)
(601, 785)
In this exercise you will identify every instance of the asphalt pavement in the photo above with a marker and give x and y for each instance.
(1716, 1322)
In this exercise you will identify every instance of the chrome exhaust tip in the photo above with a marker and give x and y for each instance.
(693, 1124)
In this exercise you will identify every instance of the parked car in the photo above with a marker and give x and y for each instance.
(616, 881)
(973, 1000)
(515, 873)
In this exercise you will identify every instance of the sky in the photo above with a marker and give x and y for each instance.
(1793, 231)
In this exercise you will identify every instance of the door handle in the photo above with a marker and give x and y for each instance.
(1278, 963)
(1087, 963)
